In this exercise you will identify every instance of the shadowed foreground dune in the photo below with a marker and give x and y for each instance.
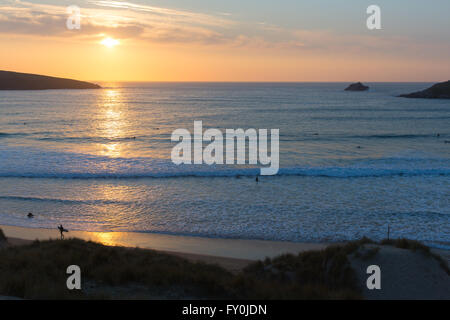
(36, 270)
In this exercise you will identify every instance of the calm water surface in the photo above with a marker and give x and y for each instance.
(99, 160)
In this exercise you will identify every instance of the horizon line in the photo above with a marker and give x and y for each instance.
(238, 81)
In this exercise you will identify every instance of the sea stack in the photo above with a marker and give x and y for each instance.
(437, 91)
(358, 86)
(26, 81)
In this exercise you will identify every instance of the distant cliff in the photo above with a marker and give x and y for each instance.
(26, 81)
(438, 91)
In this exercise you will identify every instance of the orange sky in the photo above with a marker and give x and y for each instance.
(187, 46)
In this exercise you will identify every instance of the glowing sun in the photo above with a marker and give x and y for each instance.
(109, 42)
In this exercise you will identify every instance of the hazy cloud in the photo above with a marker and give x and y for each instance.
(131, 22)
(127, 20)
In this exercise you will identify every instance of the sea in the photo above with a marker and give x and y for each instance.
(352, 164)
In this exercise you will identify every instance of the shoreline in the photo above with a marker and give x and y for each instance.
(239, 249)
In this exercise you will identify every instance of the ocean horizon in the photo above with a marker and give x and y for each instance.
(351, 163)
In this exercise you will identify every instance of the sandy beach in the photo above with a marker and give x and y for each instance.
(213, 248)
(232, 254)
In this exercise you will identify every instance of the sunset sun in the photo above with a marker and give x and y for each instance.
(109, 42)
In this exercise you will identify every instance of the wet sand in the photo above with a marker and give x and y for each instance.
(232, 254)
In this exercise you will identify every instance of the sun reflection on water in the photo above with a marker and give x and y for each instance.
(112, 123)
(106, 238)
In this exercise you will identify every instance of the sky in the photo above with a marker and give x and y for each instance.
(211, 40)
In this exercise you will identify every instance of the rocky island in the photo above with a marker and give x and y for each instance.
(437, 91)
(25, 81)
(358, 86)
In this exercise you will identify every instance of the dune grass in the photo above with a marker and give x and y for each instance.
(309, 275)
(38, 271)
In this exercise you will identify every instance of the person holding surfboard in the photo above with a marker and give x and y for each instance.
(62, 230)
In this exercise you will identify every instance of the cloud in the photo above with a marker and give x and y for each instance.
(118, 19)
(44, 24)
(135, 22)
(164, 13)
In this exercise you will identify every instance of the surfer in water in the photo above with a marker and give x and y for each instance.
(62, 230)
